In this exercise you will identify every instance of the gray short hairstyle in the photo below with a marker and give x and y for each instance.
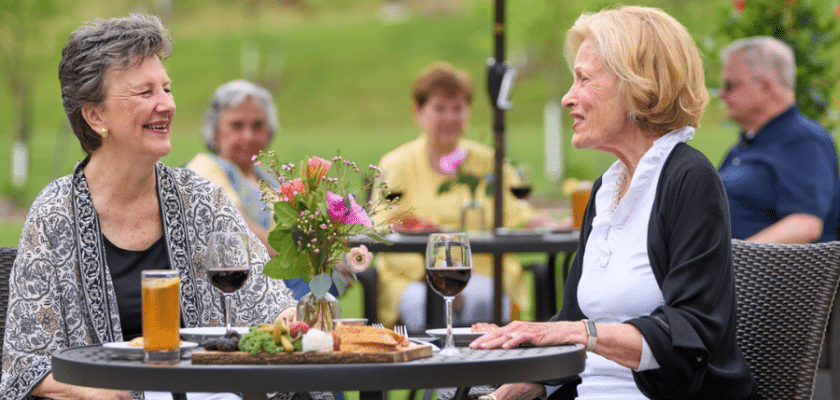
(767, 56)
(93, 49)
(230, 95)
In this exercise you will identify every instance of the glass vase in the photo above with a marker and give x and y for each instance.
(319, 313)
(472, 217)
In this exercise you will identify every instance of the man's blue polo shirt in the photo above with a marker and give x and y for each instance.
(788, 167)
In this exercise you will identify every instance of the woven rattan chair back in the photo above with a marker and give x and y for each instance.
(785, 293)
(7, 258)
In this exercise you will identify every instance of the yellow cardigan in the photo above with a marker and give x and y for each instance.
(406, 169)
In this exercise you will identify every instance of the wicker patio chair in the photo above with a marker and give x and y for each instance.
(785, 294)
(7, 258)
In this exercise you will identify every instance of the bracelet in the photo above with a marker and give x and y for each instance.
(488, 396)
(591, 333)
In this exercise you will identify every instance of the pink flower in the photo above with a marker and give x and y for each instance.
(339, 211)
(837, 11)
(292, 188)
(739, 5)
(318, 162)
(359, 258)
(449, 163)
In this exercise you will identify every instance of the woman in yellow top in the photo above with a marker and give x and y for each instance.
(442, 98)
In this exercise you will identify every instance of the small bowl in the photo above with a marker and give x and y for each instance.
(350, 321)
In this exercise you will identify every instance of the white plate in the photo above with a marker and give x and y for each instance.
(204, 333)
(461, 336)
(136, 352)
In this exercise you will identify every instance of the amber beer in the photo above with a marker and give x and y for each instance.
(580, 198)
(161, 316)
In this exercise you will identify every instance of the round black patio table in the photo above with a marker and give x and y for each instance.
(96, 366)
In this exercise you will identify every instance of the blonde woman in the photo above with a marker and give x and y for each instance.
(651, 292)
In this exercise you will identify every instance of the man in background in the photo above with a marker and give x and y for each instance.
(782, 176)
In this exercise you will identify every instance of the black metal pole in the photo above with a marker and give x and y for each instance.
(499, 134)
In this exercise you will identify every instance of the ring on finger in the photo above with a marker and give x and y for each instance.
(513, 335)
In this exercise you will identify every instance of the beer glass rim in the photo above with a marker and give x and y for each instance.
(158, 273)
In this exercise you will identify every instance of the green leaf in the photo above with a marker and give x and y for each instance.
(285, 214)
(277, 269)
(289, 262)
(471, 181)
(340, 282)
(444, 187)
(320, 285)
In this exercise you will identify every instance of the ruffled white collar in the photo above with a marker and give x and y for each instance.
(638, 199)
(647, 173)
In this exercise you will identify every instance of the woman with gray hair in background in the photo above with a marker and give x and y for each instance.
(239, 123)
(89, 235)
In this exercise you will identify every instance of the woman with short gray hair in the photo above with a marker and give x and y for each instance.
(241, 121)
(89, 235)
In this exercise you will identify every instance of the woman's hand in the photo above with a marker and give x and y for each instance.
(519, 391)
(287, 316)
(53, 389)
(621, 343)
(533, 333)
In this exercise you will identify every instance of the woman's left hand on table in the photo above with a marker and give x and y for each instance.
(531, 333)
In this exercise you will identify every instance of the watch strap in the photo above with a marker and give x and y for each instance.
(592, 335)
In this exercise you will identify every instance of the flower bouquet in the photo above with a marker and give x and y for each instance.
(316, 215)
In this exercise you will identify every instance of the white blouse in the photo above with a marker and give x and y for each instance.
(617, 282)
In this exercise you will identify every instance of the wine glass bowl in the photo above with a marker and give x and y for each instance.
(448, 270)
(521, 189)
(228, 265)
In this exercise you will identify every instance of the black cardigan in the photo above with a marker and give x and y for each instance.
(692, 336)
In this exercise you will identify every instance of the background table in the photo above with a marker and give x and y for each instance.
(96, 366)
(551, 243)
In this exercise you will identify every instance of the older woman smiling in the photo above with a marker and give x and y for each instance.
(651, 292)
(88, 236)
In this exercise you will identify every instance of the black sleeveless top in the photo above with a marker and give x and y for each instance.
(125, 267)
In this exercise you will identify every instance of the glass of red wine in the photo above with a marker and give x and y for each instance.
(228, 264)
(448, 269)
(521, 189)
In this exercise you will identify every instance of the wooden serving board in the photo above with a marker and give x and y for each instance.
(412, 352)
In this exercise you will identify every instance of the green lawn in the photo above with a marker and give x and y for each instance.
(341, 78)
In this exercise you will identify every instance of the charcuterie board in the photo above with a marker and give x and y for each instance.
(411, 352)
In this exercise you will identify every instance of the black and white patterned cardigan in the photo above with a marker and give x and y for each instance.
(61, 293)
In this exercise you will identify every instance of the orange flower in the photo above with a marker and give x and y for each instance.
(790, 2)
(318, 162)
(739, 5)
(837, 11)
(291, 189)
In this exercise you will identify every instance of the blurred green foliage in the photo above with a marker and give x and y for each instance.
(809, 28)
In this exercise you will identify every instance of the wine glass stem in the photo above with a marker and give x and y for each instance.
(450, 344)
(227, 312)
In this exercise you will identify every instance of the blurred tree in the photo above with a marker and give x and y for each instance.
(807, 27)
(20, 39)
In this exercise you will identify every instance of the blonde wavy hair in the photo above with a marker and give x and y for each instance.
(658, 65)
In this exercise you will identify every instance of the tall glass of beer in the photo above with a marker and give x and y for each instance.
(161, 316)
(580, 198)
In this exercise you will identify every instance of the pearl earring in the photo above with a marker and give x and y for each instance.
(104, 132)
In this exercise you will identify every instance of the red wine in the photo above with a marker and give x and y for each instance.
(228, 280)
(448, 281)
(521, 192)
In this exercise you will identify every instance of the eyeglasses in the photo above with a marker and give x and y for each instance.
(729, 86)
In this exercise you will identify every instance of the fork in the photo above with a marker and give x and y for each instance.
(401, 330)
